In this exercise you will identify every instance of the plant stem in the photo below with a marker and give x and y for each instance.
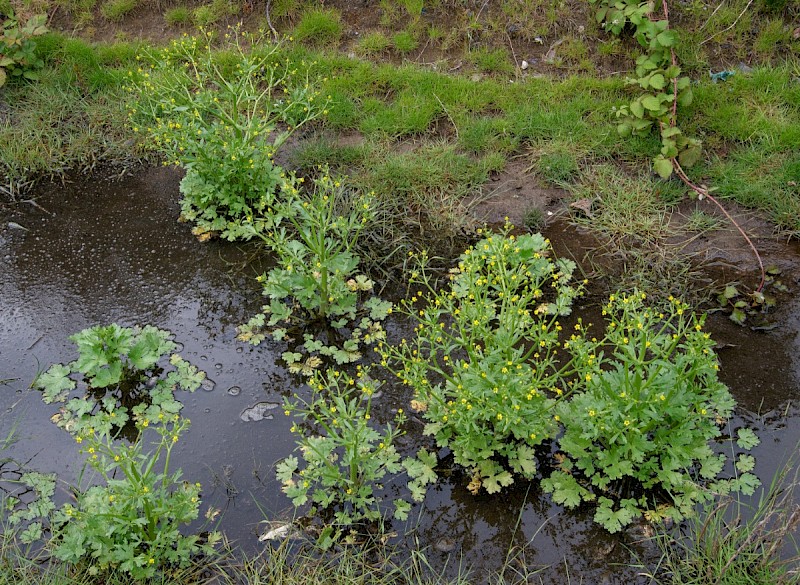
(702, 191)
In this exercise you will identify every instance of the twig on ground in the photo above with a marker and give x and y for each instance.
(269, 20)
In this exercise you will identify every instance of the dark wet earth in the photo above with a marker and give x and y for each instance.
(100, 251)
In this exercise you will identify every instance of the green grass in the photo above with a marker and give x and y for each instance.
(738, 543)
(492, 60)
(287, 563)
(116, 10)
(768, 182)
(319, 27)
(412, 7)
(404, 42)
(772, 37)
(178, 16)
(557, 164)
(211, 13)
(459, 130)
(625, 208)
(373, 43)
(700, 221)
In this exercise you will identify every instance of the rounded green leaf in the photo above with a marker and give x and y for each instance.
(651, 102)
(657, 81)
(663, 167)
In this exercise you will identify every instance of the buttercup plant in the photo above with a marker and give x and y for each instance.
(346, 459)
(223, 120)
(315, 281)
(638, 426)
(131, 520)
(483, 364)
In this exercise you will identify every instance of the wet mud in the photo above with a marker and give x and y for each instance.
(99, 251)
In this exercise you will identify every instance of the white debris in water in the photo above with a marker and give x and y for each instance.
(279, 532)
(259, 411)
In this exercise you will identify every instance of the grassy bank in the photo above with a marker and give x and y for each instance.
(430, 139)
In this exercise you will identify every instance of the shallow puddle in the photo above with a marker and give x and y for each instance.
(113, 251)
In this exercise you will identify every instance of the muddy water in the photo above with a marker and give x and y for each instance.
(112, 251)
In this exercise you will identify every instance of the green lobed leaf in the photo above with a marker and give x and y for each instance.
(745, 463)
(55, 383)
(746, 438)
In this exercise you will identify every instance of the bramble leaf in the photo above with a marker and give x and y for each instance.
(663, 167)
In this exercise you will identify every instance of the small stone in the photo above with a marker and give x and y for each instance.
(524, 65)
(445, 544)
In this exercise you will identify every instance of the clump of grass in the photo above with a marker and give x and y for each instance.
(204, 15)
(413, 7)
(479, 134)
(373, 43)
(771, 37)
(409, 115)
(404, 41)
(626, 209)
(492, 60)
(115, 10)
(700, 221)
(284, 8)
(435, 33)
(178, 16)
(324, 152)
(559, 166)
(534, 219)
(319, 27)
(574, 54)
(209, 14)
(390, 13)
(74, 118)
(421, 199)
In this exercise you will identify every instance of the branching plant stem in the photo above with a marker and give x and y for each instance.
(702, 192)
